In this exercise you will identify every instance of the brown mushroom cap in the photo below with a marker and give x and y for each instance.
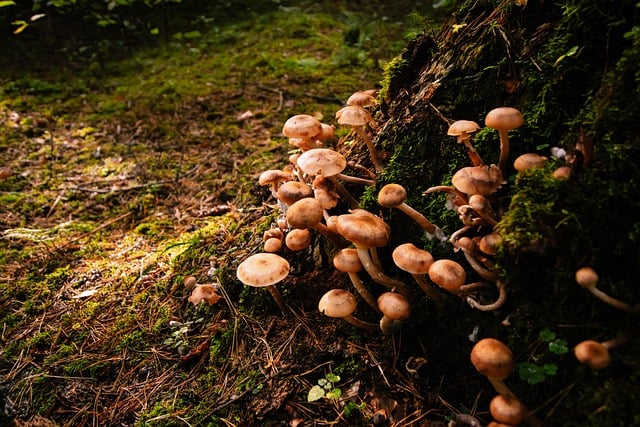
(322, 161)
(587, 277)
(337, 303)
(593, 354)
(347, 261)
(298, 239)
(447, 274)
(273, 177)
(363, 228)
(506, 118)
(305, 213)
(353, 115)
(412, 259)
(394, 306)
(462, 129)
(292, 191)
(492, 358)
(490, 243)
(507, 409)
(392, 195)
(302, 126)
(529, 161)
(362, 99)
(206, 293)
(262, 269)
(482, 180)
(272, 244)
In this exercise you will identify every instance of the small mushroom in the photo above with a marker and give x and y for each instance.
(263, 270)
(415, 261)
(529, 161)
(362, 98)
(588, 278)
(302, 126)
(273, 178)
(292, 191)
(341, 304)
(205, 292)
(448, 274)
(367, 232)
(395, 308)
(482, 180)
(394, 196)
(493, 359)
(357, 117)
(462, 129)
(347, 261)
(308, 213)
(507, 409)
(298, 239)
(596, 354)
(503, 119)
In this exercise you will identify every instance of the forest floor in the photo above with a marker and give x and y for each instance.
(119, 181)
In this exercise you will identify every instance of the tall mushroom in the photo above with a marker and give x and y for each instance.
(596, 354)
(503, 119)
(264, 270)
(357, 117)
(394, 196)
(493, 359)
(588, 279)
(341, 304)
(347, 261)
(367, 231)
(415, 261)
(462, 130)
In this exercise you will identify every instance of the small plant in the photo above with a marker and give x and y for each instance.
(325, 388)
(535, 373)
(179, 334)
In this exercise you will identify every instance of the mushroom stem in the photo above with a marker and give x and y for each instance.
(431, 293)
(478, 267)
(377, 274)
(366, 171)
(353, 203)
(502, 298)
(476, 160)
(364, 293)
(277, 297)
(432, 230)
(613, 301)
(377, 164)
(460, 197)
(389, 326)
(504, 149)
(336, 239)
(359, 323)
(615, 342)
(355, 179)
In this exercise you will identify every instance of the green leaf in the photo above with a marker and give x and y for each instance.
(315, 393)
(154, 31)
(531, 373)
(559, 347)
(547, 335)
(22, 25)
(7, 3)
(332, 377)
(550, 369)
(322, 382)
(334, 394)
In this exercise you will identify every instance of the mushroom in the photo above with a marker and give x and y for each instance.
(341, 304)
(503, 119)
(323, 192)
(205, 292)
(362, 98)
(273, 178)
(415, 261)
(302, 126)
(395, 308)
(507, 409)
(272, 244)
(292, 191)
(493, 359)
(481, 206)
(588, 278)
(596, 354)
(368, 231)
(263, 270)
(529, 161)
(347, 261)
(308, 213)
(482, 180)
(357, 117)
(448, 274)
(298, 239)
(462, 129)
(394, 196)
